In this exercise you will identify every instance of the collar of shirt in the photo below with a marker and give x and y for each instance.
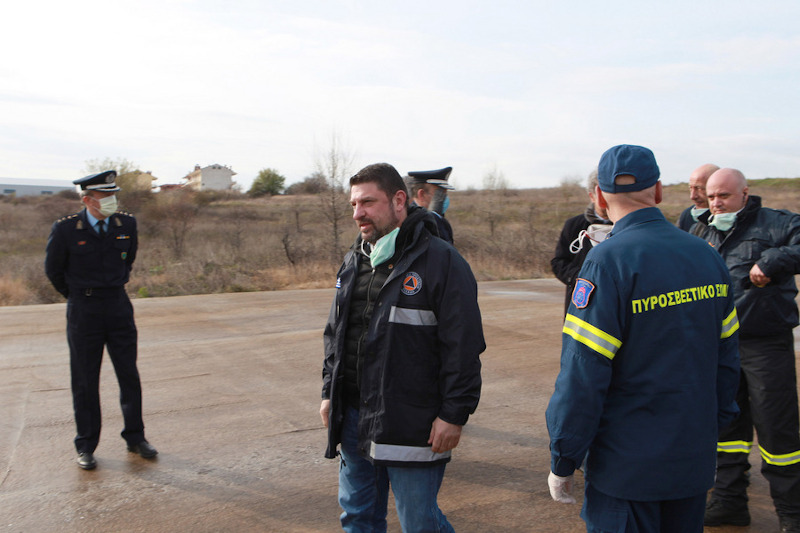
(92, 220)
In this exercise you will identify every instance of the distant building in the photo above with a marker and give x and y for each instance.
(33, 187)
(217, 177)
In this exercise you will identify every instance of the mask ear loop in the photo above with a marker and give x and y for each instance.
(577, 245)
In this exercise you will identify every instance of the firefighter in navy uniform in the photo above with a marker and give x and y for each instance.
(761, 247)
(649, 364)
(89, 259)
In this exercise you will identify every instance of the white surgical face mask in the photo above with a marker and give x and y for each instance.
(108, 205)
(697, 211)
(383, 250)
(722, 221)
(596, 233)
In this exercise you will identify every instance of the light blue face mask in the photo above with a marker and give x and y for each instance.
(722, 221)
(445, 204)
(697, 211)
(383, 250)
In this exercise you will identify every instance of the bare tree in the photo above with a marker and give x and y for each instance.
(335, 166)
(120, 164)
(494, 184)
(174, 212)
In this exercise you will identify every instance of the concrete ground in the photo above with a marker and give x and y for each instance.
(231, 396)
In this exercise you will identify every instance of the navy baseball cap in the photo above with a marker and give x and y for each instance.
(627, 159)
(102, 181)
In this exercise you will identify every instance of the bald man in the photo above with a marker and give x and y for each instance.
(697, 193)
(649, 364)
(761, 247)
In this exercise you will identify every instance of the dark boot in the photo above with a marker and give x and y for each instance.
(721, 512)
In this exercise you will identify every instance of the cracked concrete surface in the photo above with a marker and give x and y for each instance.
(231, 396)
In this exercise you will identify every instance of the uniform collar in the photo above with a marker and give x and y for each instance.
(91, 218)
(647, 214)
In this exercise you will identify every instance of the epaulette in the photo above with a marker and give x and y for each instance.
(68, 217)
(116, 219)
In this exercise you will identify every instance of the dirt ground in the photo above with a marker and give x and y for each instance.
(231, 396)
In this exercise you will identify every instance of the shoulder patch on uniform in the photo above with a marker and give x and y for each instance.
(582, 293)
(68, 217)
(412, 284)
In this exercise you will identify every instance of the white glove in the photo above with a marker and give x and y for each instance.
(561, 488)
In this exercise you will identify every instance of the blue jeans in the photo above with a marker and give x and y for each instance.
(364, 490)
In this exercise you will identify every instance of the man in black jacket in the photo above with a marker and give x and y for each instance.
(579, 234)
(401, 373)
(761, 247)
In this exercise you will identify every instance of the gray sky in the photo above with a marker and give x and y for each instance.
(536, 90)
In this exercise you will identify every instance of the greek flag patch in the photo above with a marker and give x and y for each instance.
(338, 283)
(582, 292)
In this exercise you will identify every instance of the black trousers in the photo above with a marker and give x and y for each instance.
(767, 398)
(103, 319)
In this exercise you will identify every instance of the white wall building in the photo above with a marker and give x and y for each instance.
(33, 187)
(217, 177)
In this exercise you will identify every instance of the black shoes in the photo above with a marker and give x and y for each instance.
(722, 513)
(144, 448)
(789, 524)
(86, 460)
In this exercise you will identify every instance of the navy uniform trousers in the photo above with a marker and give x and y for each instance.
(767, 397)
(103, 318)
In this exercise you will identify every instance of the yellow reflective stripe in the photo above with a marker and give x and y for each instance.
(780, 460)
(596, 339)
(730, 325)
(734, 446)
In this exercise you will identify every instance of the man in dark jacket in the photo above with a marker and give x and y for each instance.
(401, 373)
(89, 259)
(698, 212)
(761, 247)
(579, 235)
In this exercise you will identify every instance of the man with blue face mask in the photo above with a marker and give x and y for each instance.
(89, 259)
(698, 212)
(428, 189)
(761, 247)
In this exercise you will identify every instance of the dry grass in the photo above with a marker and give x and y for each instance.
(232, 243)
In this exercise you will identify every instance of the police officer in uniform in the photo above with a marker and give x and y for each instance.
(649, 364)
(428, 189)
(89, 260)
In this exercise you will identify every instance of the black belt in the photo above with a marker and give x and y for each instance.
(103, 291)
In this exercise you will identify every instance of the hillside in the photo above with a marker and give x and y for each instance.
(199, 244)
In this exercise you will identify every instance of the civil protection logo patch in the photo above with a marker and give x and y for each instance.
(412, 284)
(582, 292)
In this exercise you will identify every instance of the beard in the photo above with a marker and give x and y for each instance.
(376, 230)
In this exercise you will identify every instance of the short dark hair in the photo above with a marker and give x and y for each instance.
(384, 175)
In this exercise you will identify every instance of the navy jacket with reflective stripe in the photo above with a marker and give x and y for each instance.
(422, 349)
(649, 366)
